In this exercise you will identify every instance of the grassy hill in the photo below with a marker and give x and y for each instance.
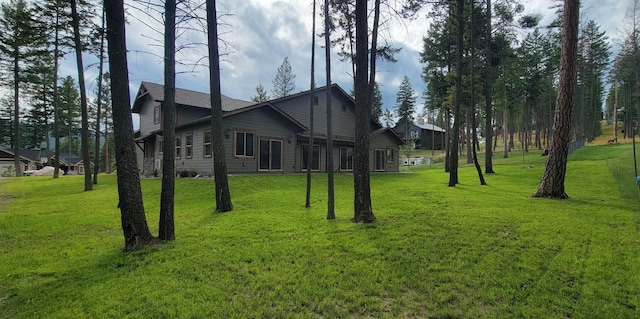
(435, 252)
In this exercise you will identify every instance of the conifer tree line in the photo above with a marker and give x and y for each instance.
(510, 61)
(45, 109)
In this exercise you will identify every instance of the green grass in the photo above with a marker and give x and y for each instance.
(436, 252)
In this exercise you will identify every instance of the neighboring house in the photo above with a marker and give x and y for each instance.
(424, 136)
(271, 136)
(70, 164)
(32, 159)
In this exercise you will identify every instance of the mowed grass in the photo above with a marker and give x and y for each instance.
(435, 252)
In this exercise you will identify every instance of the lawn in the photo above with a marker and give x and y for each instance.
(435, 252)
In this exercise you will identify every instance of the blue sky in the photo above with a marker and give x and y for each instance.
(259, 34)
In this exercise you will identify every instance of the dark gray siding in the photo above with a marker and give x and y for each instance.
(385, 141)
(342, 113)
(263, 122)
(146, 118)
(187, 114)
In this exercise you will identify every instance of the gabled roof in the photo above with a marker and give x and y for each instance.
(430, 127)
(387, 130)
(321, 89)
(31, 154)
(286, 116)
(186, 97)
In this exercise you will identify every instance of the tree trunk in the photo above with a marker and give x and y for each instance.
(96, 154)
(16, 114)
(312, 86)
(167, 228)
(488, 84)
(223, 196)
(453, 173)
(56, 107)
(363, 212)
(86, 160)
(505, 122)
(552, 183)
(134, 223)
(330, 178)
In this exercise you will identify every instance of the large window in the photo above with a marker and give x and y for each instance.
(156, 114)
(315, 157)
(178, 146)
(270, 155)
(160, 146)
(380, 159)
(206, 144)
(243, 144)
(390, 155)
(346, 158)
(188, 145)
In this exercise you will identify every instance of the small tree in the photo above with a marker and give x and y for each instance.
(261, 94)
(406, 105)
(376, 103)
(285, 80)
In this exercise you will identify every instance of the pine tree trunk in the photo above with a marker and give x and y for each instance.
(363, 212)
(86, 160)
(330, 178)
(552, 183)
(488, 84)
(99, 105)
(223, 196)
(56, 104)
(134, 222)
(312, 86)
(16, 114)
(455, 142)
(166, 230)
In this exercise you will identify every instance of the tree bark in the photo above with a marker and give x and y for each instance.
(134, 222)
(552, 183)
(312, 86)
(86, 160)
(56, 104)
(455, 142)
(167, 228)
(330, 178)
(363, 212)
(488, 84)
(223, 196)
(96, 154)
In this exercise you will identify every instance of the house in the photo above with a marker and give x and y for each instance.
(425, 136)
(32, 159)
(70, 164)
(271, 136)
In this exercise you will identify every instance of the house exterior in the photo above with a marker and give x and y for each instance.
(425, 136)
(272, 136)
(35, 159)
(31, 158)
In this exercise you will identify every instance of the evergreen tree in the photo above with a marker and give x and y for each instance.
(261, 94)
(39, 90)
(388, 118)
(405, 105)
(376, 103)
(134, 222)
(20, 42)
(285, 80)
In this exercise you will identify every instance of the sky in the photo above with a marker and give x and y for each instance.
(259, 34)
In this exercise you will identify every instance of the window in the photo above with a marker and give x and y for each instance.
(160, 146)
(188, 145)
(270, 155)
(206, 144)
(414, 134)
(390, 155)
(346, 158)
(315, 157)
(243, 144)
(379, 160)
(178, 147)
(156, 114)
